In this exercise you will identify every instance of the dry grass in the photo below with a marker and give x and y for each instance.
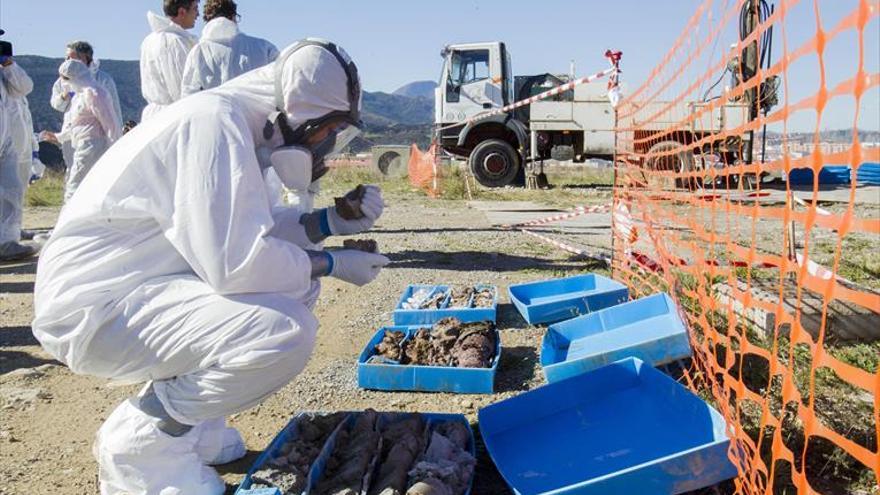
(48, 191)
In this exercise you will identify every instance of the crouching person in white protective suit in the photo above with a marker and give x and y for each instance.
(171, 266)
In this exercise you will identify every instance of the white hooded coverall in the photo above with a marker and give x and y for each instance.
(172, 266)
(62, 104)
(163, 56)
(22, 130)
(14, 84)
(91, 125)
(223, 53)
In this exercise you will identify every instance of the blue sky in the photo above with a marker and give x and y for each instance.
(395, 41)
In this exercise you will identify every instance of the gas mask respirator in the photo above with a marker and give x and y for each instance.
(301, 161)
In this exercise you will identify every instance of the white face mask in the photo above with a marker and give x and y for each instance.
(293, 166)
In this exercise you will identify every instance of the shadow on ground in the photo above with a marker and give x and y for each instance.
(16, 337)
(439, 230)
(15, 360)
(516, 369)
(16, 288)
(487, 479)
(508, 317)
(479, 260)
(20, 268)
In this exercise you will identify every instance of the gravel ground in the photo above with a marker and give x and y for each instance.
(49, 415)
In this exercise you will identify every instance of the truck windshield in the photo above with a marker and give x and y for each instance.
(468, 67)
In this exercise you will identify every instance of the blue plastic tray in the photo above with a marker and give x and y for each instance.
(287, 433)
(424, 378)
(650, 329)
(549, 301)
(625, 428)
(430, 316)
(829, 175)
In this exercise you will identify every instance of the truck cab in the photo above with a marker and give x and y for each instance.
(476, 78)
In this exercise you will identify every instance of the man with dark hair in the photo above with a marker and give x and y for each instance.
(163, 54)
(62, 94)
(224, 52)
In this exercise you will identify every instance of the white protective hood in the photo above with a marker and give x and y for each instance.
(313, 85)
(223, 53)
(220, 30)
(92, 113)
(78, 74)
(163, 56)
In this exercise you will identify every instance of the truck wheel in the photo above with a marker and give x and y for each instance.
(494, 163)
(681, 162)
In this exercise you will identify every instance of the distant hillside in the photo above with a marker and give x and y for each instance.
(418, 89)
(390, 119)
(386, 108)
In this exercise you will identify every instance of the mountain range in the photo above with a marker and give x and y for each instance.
(402, 117)
(418, 89)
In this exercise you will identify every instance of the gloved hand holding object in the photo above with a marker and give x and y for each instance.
(349, 206)
(356, 267)
(371, 206)
(321, 224)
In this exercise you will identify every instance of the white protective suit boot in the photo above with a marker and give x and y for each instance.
(219, 444)
(133, 454)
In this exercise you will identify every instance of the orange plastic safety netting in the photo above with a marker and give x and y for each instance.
(741, 190)
(424, 170)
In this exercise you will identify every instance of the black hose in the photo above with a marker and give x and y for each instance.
(764, 12)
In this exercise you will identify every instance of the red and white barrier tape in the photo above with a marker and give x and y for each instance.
(803, 203)
(571, 249)
(580, 210)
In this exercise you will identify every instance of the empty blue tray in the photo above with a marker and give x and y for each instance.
(625, 428)
(407, 377)
(549, 301)
(287, 433)
(650, 329)
(429, 316)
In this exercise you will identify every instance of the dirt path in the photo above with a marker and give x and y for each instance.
(49, 415)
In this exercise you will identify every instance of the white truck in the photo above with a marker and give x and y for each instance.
(575, 125)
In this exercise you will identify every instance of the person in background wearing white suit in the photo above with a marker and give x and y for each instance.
(164, 52)
(15, 84)
(223, 52)
(91, 125)
(63, 94)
